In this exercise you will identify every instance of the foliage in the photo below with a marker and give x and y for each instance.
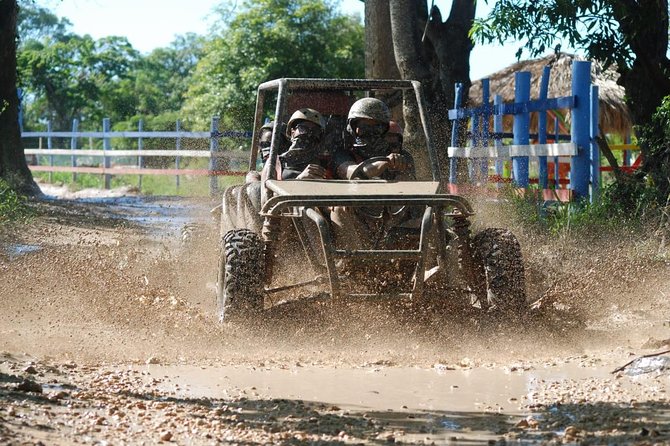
(655, 136)
(632, 35)
(67, 76)
(645, 198)
(12, 205)
(588, 25)
(38, 23)
(628, 206)
(77, 77)
(270, 39)
(161, 79)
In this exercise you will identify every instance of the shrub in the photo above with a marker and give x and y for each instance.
(12, 205)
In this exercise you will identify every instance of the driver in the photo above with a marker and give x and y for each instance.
(373, 153)
(368, 127)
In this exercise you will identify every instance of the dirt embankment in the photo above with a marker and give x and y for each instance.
(101, 298)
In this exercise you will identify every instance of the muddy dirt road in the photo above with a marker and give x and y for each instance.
(108, 336)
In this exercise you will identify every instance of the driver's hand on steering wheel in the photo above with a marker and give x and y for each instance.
(397, 162)
(376, 168)
(312, 172)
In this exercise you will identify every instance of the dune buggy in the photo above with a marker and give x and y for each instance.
(291, 247)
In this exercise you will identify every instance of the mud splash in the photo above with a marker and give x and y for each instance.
(128, 280)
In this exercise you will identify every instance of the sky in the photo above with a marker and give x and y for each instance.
(150, 24)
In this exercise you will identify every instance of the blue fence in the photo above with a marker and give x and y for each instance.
(584, 177)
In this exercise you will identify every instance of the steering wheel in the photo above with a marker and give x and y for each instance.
(358, 174)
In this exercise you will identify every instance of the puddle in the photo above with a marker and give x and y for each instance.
(17, 250)
(162, 215)
(427, 405)
(373, 389)
(159, 215)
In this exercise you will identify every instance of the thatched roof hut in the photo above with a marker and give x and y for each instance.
(614, 114)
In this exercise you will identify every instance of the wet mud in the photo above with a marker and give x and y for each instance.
(108, 310)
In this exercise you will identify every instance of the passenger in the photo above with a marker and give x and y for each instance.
(241, 203)
(264, 140)
(368, 125)
(304, 158)
(263, 150)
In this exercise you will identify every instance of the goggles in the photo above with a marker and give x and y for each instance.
(303, 128)
(364, 129)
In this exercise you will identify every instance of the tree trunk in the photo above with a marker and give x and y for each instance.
(436, 53)
(412, 65)
(452, 46)
(379, 57)
(647, 81)
(13, 167)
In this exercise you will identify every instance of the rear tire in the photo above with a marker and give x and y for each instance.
(498, 253)
(239, 286)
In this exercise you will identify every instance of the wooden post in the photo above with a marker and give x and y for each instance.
(213, 160)
(580, 129)
(453, 161)
(140, 160)
(484, 131)
(473, 164)
(498, 129)
(106, 145)
(73, 147)
(543, 175)
(178, 147)
(521, 128)
(594, 149)
(557, 160)
(627, 153)
(50, 146)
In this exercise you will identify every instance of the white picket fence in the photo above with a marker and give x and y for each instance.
(219, 160)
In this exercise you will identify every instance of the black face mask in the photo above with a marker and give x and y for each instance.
(369, 139)
(297, 156)
(367, 147)
(303, 150)
(304, 140)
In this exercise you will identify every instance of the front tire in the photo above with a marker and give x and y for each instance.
(498, 253)
(239, 286)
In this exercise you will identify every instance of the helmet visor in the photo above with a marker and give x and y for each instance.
(364, 129)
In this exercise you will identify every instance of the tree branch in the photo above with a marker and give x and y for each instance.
(651, 355)
(611, 159)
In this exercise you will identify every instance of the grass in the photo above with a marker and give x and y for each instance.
(561, 218)
(187, 185)
(13, 206)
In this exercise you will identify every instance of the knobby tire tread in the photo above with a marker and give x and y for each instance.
(499, 253)
(240, 285)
